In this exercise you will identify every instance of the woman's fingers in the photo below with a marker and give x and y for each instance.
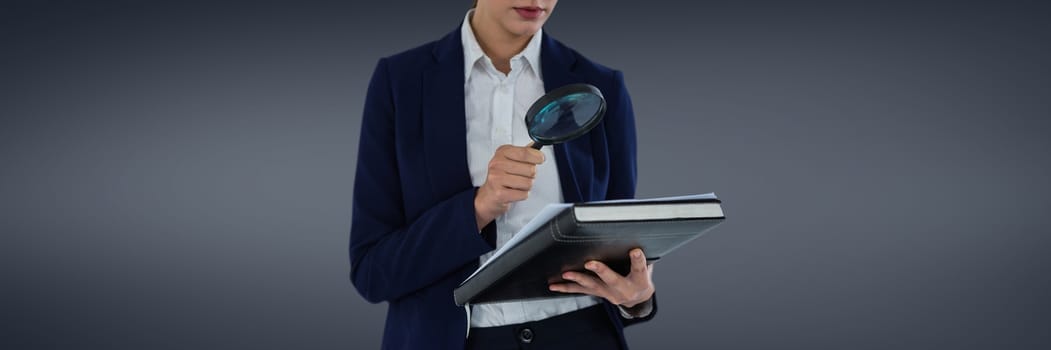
(638, 261)
(612, 278)
(584, 280)
(582, 284)
(609, 284)
(520, 154)
(514, 168)
(571, 288)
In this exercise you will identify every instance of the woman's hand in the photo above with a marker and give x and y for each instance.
(626, 291)
(509, 179)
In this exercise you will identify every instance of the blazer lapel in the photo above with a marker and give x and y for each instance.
(444, 124)
(556, 63)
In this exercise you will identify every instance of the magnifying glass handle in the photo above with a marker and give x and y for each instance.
(536, 146)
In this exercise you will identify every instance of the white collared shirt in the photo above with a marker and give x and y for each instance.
(496, 105)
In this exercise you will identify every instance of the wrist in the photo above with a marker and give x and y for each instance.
(638, 304)
(482, 216)
(639, 310)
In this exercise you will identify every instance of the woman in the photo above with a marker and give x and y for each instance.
(444, 177)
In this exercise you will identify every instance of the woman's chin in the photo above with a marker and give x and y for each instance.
(525, 28)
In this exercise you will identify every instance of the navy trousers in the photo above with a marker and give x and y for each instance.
(588, 328)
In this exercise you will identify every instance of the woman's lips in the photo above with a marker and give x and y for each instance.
(529, 13)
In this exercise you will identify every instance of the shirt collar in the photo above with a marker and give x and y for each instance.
(472, 52)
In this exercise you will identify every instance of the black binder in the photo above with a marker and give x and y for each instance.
(565, 236)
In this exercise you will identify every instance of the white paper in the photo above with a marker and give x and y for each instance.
(710, 195)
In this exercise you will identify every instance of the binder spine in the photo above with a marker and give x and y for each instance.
(562, 228)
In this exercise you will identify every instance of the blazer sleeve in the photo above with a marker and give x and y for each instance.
(392, 257)
(620, 128)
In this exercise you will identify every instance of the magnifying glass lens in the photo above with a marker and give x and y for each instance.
(565, 116)
(564, 113)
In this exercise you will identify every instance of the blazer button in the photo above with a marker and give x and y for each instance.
(526, 335)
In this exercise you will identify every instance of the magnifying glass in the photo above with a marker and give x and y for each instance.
(564, 114)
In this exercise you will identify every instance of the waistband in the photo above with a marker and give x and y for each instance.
(589, 319)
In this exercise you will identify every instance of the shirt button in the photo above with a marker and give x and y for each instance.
(526, 335)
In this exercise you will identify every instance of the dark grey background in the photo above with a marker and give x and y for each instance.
(178, 174)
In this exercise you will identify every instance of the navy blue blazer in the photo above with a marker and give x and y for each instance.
(413, 235)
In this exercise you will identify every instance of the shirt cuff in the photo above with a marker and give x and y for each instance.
(641, 310)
